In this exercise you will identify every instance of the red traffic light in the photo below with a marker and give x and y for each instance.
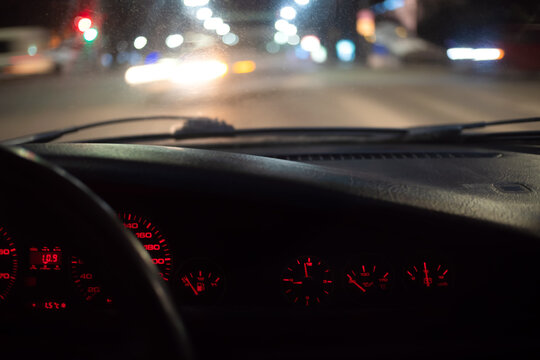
(83, 23)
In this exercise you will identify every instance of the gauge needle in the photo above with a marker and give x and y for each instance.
(426, 272)
(355, 283)
(191, 286)
(305, 269)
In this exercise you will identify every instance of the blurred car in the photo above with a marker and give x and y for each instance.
(512, 48)
(23, 51)
(404, 47)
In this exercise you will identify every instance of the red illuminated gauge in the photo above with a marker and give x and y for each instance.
(8, 263)
(307, 281)
(85, 280)
(201, 282)
(428, 275)
(45, 258)
(152, 239)
(367, 279)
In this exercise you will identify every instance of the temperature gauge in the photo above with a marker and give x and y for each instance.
(49, 305)
(367, 279)
(428, 275)
(201, 282)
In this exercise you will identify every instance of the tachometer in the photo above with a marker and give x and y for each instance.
(8, 263)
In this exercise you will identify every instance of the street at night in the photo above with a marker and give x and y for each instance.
(409, 96)
(269, 179)
(391, 63)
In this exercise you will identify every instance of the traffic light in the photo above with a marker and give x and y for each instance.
(83, 23)
(90, 34)
(87, 26)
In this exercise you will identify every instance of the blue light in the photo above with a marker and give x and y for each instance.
(346, 50)
(134, 58)
(394, 4)
(379, 8)
(380, 49)
(106, 60)
(301, 53)
(388, 5)
(152, 58)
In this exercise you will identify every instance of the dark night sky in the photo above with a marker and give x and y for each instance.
(463, 20)
(446, 18)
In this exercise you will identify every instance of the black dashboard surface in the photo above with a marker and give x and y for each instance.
(483, 184)
(473, 212)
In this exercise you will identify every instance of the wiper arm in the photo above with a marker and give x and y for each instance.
(204, 127)
(195, 124)
(454, 132)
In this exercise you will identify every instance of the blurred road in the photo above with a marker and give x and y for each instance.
(313, 97)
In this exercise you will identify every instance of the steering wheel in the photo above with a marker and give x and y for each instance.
(141, 297)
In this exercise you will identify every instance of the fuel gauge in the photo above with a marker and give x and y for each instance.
(200, 283)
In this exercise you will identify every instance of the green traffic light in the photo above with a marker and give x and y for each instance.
(90, 34)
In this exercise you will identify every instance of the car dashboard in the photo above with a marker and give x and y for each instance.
(365, 251)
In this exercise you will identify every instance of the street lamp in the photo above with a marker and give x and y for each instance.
(288, 13)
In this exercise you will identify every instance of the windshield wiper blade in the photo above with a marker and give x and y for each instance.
(454, 132)
(197, 124)
(188, 132)
(429, 134)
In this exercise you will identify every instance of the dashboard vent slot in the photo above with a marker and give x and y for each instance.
(388, 156)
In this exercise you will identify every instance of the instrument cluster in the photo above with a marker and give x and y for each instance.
(305, 281)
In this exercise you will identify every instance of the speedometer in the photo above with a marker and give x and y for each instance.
(150, 237)
(8, 263)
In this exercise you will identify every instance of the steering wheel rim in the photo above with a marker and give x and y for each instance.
(147, 298)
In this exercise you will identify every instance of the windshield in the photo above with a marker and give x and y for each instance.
(279, 63)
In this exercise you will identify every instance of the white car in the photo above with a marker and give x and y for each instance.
(23, 51)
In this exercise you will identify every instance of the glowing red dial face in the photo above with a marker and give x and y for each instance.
(8, 263)
(151, 238)
(367, 279)
(307, 281)
(201, 283)
(85, 280)
(153, 241)
(428, 275)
